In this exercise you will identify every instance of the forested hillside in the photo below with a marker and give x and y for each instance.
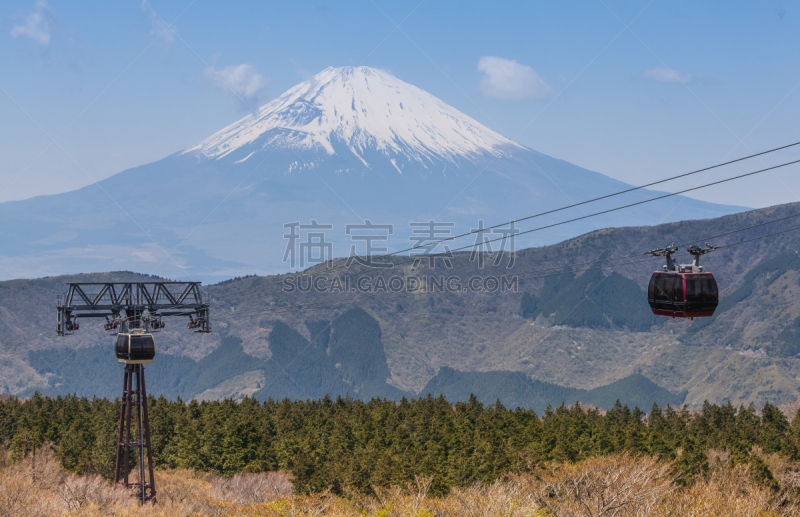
(345, 443)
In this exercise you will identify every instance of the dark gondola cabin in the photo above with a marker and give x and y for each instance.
(683, 291)
(135, 348)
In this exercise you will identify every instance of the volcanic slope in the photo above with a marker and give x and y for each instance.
(348, 145)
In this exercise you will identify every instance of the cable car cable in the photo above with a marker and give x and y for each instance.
(418, 292)
(574, 204)
(637, 254)
(614, 258)
(740, 230)
(348, 302)
(621, 258)
(637, 203)
(550, 225)
(756, 238)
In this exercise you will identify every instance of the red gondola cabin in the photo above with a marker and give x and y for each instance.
(683, 290)
(683, 295)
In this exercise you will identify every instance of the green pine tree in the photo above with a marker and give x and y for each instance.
(692, 464)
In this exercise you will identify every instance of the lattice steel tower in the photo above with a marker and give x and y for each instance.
(133, 312)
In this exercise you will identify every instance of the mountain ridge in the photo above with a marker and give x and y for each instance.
(544, 331)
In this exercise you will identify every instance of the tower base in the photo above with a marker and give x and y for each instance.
(126, 443)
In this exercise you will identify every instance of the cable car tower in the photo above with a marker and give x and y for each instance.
(133, 312)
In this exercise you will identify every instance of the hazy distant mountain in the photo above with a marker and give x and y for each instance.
(348, 145)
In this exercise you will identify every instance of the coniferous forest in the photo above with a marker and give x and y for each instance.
(337, 444)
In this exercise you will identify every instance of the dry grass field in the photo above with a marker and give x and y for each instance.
(618, 485)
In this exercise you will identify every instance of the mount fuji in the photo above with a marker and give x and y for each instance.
(349, 145)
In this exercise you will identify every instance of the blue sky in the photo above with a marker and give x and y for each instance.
(685, 85)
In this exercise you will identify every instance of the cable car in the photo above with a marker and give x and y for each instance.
(135, 347)
(683, 291)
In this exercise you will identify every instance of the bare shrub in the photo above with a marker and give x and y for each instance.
(78, 492)
(314, 505)
(727, 492)
(17, 495)
(44, 471)
(261, 487)
(505, 497)
(396, 502)
(618, 485)
(787, 475)
(182, 491)
(27, 487)
(717, 458)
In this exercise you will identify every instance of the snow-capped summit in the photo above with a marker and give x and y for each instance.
(363, 109)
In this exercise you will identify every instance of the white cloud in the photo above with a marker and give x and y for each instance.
(38, 24)
(662, 74)
(158, 27)
(508, 80)
(241, 81)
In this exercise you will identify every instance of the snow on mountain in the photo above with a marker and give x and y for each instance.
(365, 109)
